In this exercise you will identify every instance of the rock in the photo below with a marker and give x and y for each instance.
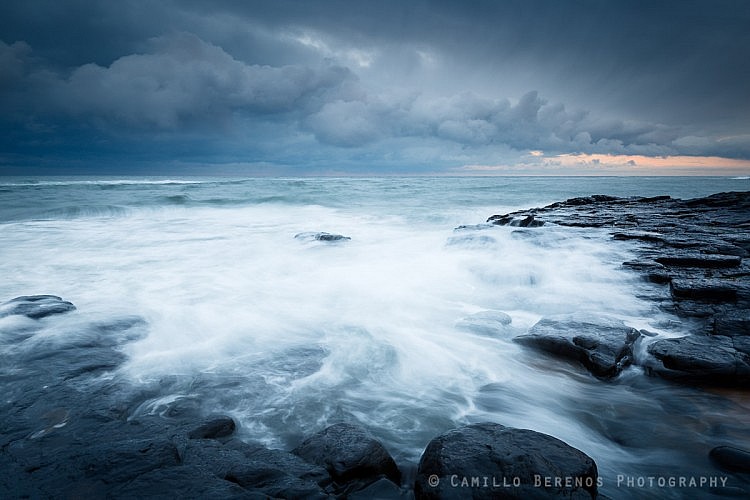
(603, 345)
(702, 359)
(321, 236)
(516, 462)
(382, 489)
(213, 429)
(639, 235)
(352, 457)
(488, 323)
(705, 289)
(731, 459)
(36, 306)
(732, 324)
(700, 260)
(530, 221)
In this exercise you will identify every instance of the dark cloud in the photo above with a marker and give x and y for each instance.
(357, 81)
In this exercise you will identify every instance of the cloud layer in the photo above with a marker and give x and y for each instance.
(441, 85)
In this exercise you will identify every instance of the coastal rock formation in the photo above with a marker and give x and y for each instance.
(603, 345)
(697, 248)
(517, 463)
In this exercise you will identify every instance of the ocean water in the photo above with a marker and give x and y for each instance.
(288, 335)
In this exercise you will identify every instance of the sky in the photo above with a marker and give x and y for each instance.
(354, 87)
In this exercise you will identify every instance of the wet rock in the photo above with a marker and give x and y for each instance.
(530, 221)
(382, 489)
(603, 345)
(489, 323)
(731, 459)
(213, 429)
(639, 235)
(705, 289)
(700, 260)
(36, 306)
(736, 324)
(701, 359)
(503, 455)
(352, 457)
(321, 236)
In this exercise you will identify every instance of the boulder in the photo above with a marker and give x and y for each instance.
(702, 359)
(213, 429)
(36, 306)
(352, 457)
(603, 345)
(489, 460)
(731, 459)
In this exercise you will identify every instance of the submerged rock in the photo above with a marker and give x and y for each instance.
(36, 306)
(352, 457)
(517, 463)
(321, 236)
(603, 345)
(489, 323)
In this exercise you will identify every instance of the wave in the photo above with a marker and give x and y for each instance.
(741, 178)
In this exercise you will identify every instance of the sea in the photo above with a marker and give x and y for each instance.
(288, 335)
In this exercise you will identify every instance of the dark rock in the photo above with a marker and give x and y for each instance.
(36, 306)
(703, 289)
(321, 236)
(500, 220)
(178, 482)
(732, 324)
(701, 359)
(603, 345)
(488, 323)
(700, 260)
(503, 454)
(213, 429)
(639, 235)
(530, 221)
(382, 489)
(351, 456)
(731, 459)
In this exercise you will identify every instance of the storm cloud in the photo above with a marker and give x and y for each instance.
(423, 86)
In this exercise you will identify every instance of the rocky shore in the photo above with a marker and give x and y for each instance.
(696, 251)
(70, 429)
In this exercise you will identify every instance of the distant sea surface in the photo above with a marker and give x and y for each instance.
(288, 334)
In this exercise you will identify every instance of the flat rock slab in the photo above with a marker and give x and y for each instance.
(700, 260)
(603, 345)
(514, 461)
(705, 289)
(731, 458)
(703, 359)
